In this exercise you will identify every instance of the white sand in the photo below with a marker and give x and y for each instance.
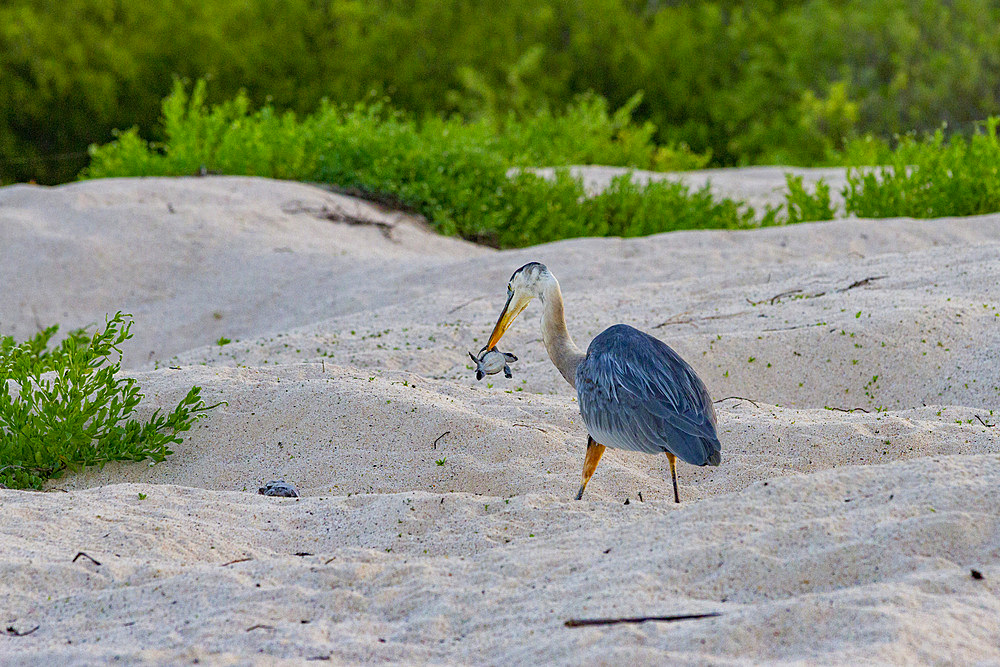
(824, 536)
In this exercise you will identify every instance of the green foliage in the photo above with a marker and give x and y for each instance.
(456, 173)
(801, 206)
(225, 138)
(65, 408)
(586, 133)
(229, 138)
(930, 178)
(865, 151)
(744, 82)
(540, 210)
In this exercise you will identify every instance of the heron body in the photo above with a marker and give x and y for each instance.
(635, 392)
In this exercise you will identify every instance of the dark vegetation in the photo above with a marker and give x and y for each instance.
(741, 82)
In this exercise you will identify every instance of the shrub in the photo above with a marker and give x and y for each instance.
(629, 209)
(466, 178)
(66, 408)
(536, 210)
(586, 133)
(801, 206)
(931, 178)
(453, 172)
(866, 151)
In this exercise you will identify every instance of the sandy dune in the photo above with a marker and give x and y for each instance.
(859, 489)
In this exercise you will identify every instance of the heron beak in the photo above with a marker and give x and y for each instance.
(510, 311)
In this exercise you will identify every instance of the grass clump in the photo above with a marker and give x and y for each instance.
(931, 177)
(65, 407)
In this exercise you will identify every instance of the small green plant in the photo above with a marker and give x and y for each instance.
(441, 462)
(66, 407)
(142, 496)
(223, 341)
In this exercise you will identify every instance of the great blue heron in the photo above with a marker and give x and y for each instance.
(635, 392)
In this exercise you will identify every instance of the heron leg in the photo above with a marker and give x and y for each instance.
(673, 475)
(594, 453)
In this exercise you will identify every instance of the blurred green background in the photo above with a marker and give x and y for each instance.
(750, 82)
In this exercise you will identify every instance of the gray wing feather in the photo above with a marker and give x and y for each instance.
(636, 393)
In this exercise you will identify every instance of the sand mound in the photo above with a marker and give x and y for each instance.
(198, 258)
(858, 490)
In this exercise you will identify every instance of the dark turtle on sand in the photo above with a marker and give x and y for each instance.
(491, 362)
(279, 488)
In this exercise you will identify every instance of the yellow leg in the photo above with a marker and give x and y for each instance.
(673, 475)
(594, 453)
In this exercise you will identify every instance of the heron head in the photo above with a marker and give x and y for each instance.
(528, 282)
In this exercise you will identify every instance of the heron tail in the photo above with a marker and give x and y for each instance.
(715, 458)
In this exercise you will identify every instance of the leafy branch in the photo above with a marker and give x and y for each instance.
(66, 408)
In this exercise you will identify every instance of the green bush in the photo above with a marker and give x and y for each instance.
(65, 407)
(930, 178)
(455, 173)
(801, 206)
(866, 151)
(586, 133)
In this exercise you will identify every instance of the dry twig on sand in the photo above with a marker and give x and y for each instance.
(797, 292)
(333, 215)
(91, 559)
(583, 622)
(435, 445)
(739, 398)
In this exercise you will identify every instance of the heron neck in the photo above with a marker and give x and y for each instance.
(562, 350)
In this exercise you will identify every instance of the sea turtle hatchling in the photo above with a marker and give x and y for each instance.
(279, 488)
(490, 362)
